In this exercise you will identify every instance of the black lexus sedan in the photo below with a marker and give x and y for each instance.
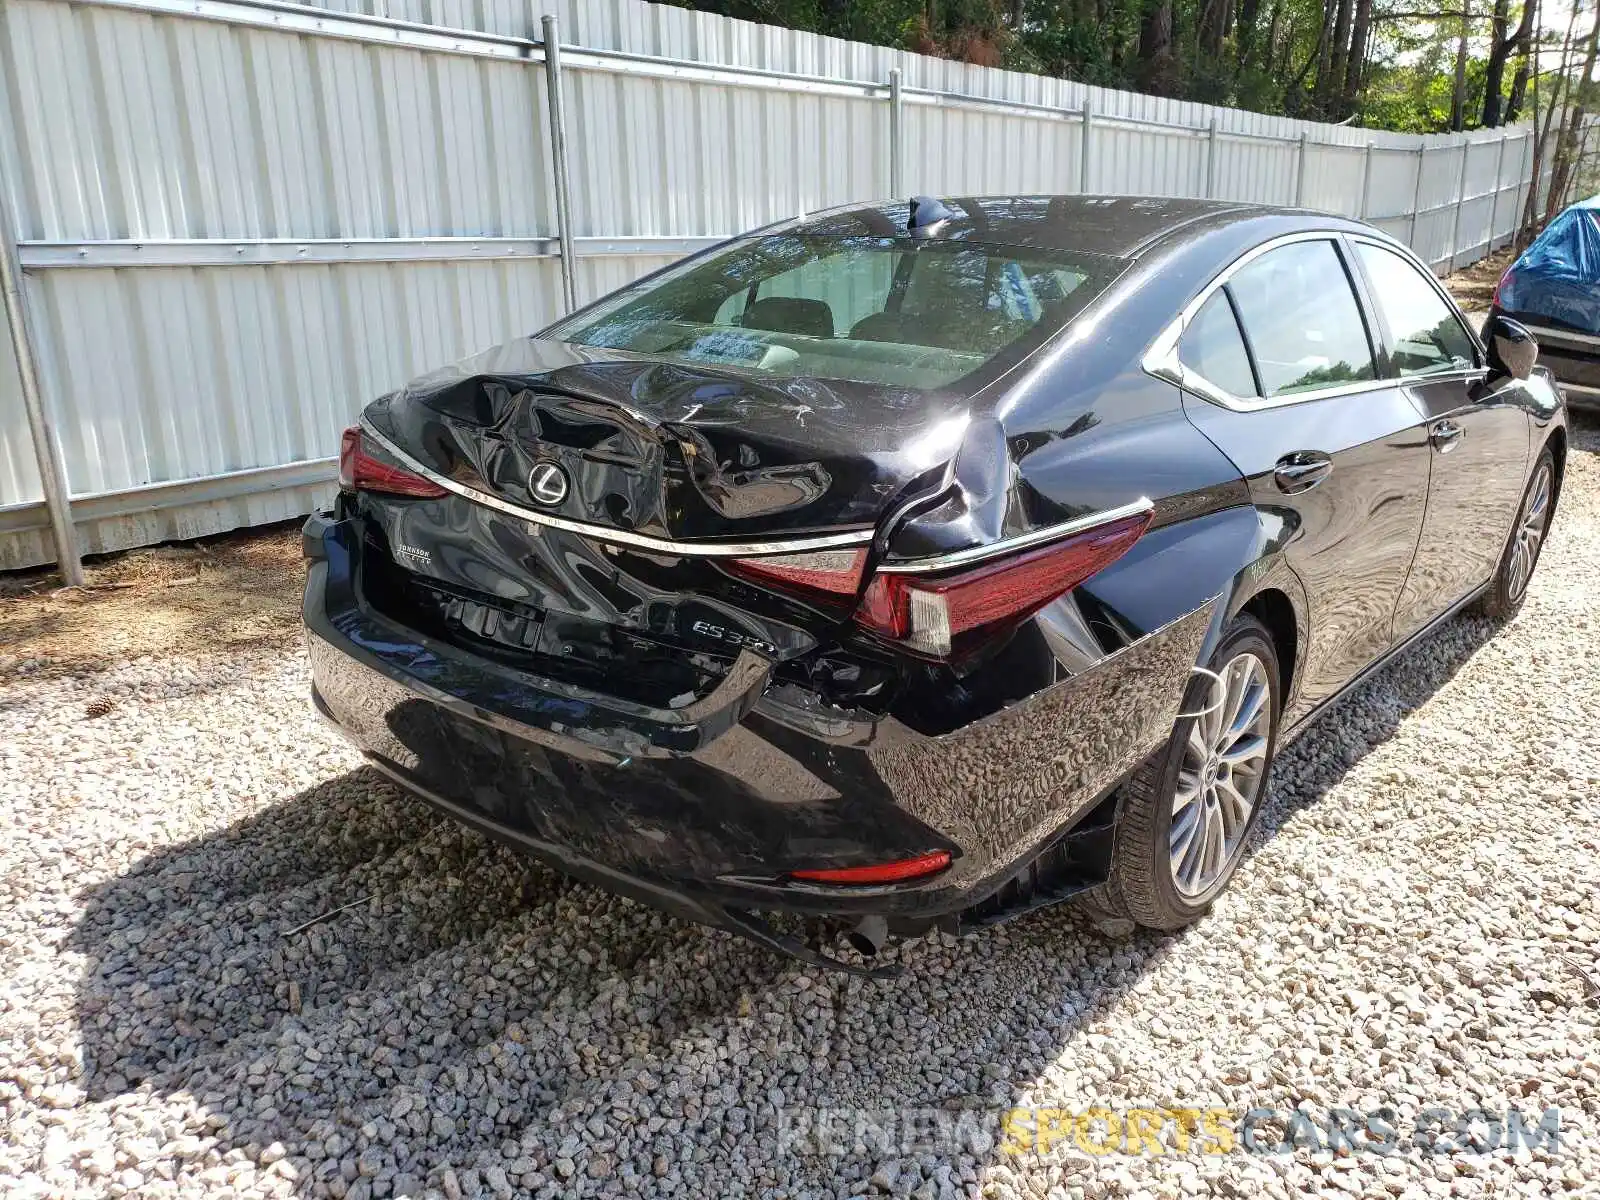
(916, 564)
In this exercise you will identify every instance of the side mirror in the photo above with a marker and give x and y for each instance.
(1512, 350)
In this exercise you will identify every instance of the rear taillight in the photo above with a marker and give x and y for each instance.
(359, 471)
(828, 574)
(929, 613)
(1501, 286)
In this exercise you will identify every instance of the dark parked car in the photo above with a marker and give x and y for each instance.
(925, 564)
(1553, 289)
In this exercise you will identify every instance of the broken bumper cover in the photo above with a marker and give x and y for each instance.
(704, 812)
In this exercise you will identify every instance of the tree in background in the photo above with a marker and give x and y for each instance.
(1413, 65)
(1574, 126)
(1503, 43)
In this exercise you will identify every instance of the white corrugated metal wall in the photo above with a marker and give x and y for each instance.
(242, 219)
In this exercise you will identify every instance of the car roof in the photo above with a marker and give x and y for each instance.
(1119, 226)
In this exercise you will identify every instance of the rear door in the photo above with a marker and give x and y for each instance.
(1280, 370)
(1477, 434)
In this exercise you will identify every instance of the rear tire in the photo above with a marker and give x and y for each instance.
(1180, 832)
(1509, 587)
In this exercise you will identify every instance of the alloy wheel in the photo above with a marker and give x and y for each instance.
(1529, 533)
(1221, 775)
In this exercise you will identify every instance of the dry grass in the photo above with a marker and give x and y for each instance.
(1473, 287)
(234, 590)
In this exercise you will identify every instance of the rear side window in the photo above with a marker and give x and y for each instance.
(1426, 338)
(1302, 318)
(1213, 348)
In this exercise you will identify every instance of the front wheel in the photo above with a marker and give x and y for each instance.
(1187, 813)
(1509, 587)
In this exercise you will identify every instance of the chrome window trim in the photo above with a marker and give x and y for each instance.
(622, 537)
(1020, 541)
(1161, 359)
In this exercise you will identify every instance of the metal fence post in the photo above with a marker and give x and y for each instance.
(1499, 186)
(558, 149)
(1530, 155)
(1366, 182)
(1211, 160)
(1085, 167)
(1300, 173)
(1416, 197)
(897, 110)
(46, 447)
(1524, 140)
(1537, 162)
(1461, 202)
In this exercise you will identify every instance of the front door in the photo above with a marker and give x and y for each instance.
(1339, 456)
(1477, 435)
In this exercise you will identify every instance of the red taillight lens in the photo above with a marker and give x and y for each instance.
(360, 471)
(834, 574)
(1501, 286)
(893, 872)
(928, 614)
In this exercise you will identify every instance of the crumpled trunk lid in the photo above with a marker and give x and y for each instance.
(675, 457)
(667, 450)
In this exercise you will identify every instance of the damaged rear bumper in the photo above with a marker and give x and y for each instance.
(705, 811)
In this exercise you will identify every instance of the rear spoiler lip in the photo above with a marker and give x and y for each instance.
(623, 537)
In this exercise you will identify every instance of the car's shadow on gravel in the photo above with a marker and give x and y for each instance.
(472, 1009)
(483, 997)
(1357, 723)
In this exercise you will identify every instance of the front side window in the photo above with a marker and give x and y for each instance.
(1426, 337)
(1212, 348)
(889, 311)
(1301, 316)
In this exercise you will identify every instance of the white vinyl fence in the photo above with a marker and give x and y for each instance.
(237, 221)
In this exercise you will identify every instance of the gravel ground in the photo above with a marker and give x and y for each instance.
(1417, 927)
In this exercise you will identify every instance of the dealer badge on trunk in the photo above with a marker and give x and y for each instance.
(547, 483)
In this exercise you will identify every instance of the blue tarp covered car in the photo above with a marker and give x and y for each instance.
(1554, 289)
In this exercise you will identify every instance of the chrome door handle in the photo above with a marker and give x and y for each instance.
(1301, 471)
(1446, 435)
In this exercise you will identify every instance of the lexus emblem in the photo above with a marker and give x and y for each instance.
(547, 483)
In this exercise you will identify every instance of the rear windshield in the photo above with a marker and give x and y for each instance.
(888, 311)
